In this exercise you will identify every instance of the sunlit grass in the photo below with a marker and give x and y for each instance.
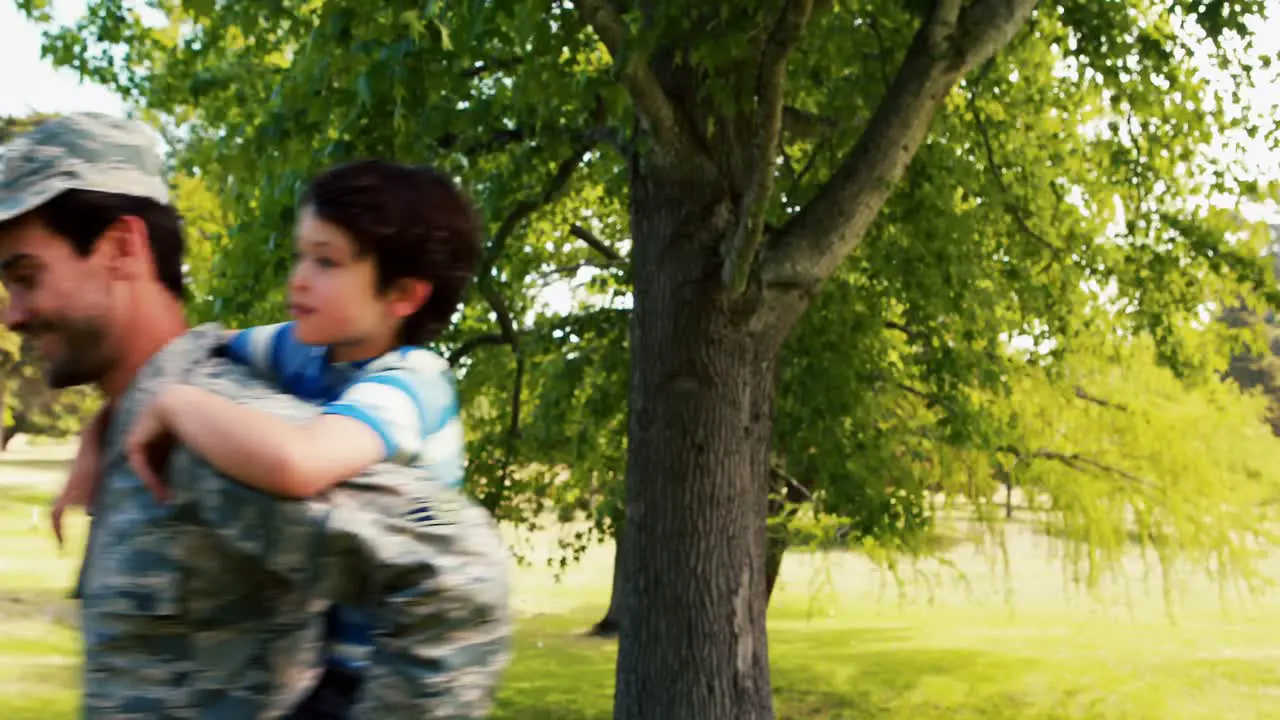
(842, 643)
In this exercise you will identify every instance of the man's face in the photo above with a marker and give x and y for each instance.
(59, 301)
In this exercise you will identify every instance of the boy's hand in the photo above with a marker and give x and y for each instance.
(78, 492)
(85, 471)
(147, 447)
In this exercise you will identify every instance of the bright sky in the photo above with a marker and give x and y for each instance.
(28, 83)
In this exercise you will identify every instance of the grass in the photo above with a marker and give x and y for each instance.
(843, 644)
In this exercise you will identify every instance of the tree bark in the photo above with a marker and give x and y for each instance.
(608, 625)
(777, 547)
(693, 643)
(711, 309)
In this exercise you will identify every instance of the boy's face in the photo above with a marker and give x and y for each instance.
(333, 293)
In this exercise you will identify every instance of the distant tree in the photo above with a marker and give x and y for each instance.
(1259, 367)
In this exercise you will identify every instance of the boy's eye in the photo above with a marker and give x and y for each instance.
(323, 262)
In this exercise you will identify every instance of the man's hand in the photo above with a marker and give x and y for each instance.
(148, 444)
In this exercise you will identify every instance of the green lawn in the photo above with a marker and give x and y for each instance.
(842, 644)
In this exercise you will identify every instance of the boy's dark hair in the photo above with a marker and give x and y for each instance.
(414, 222)
(82, 216)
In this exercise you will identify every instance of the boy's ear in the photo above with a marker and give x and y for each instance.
(407, 296)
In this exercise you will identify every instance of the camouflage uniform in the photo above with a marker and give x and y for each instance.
(211, 605)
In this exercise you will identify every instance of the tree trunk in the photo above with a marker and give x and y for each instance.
(778, 540)
(608, 625)
(777, 547)
(693, 644)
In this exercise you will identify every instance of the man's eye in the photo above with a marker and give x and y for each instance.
(21, 281)
(326, 262)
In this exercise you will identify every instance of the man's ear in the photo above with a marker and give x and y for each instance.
(407, 295)
(125, 247)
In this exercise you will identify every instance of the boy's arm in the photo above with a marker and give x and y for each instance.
(262, 348)
(263, 451)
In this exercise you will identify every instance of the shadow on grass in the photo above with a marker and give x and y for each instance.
(558, 672)
(33, 465)
(29, 704)
(20, 496)
(847, 672)
(1261, 673)
(25, 605)
(819, 671)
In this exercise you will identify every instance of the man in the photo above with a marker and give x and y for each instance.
(211, 604)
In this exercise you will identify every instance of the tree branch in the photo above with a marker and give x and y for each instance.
(1079, 463)
(511, 338)
(942, 26)
(513, 425)
(505, 323)
(1086, 464)
(986, 26)
(1087, 397)
(596, 243)
(795, 490)
(893, 325)
(997, 174)
(559, 180)
(483, 68)
(642, 85)
(804, 124)
(883, 52)
(574, 268)
(470, 345)
(502, 138)
(928, 399)
(509, 335)
(739, 256)
(816, 240)
(497, 140)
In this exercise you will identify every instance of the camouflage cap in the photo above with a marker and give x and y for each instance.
(82, 151)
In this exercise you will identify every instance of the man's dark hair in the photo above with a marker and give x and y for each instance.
(82, 216)
(414, 222)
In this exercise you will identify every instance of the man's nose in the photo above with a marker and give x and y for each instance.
(16, 315)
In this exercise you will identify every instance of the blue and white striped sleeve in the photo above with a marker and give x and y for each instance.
(389, 402)
(262, 348)
(409, 399)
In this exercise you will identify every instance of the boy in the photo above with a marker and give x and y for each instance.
(384, 253)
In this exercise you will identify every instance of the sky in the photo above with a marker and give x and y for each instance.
(28, 83)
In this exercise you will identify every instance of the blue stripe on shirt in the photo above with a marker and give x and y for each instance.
(398, 381)
(355, 412)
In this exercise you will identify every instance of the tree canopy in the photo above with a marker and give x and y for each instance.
(900, 197)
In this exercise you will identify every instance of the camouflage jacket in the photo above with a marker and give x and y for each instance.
(211, 605)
